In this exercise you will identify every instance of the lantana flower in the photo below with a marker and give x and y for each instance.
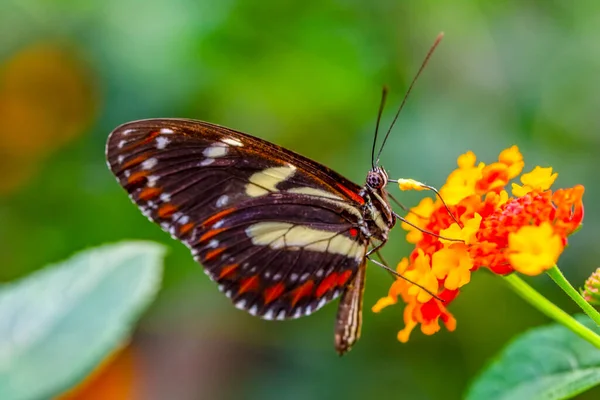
(479, 225)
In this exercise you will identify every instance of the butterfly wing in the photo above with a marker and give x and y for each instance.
(277, 231)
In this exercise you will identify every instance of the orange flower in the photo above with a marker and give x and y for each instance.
(486, 229)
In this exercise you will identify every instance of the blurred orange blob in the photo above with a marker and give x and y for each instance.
(47, 98)
(113, 379)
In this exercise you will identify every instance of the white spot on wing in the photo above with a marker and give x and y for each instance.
(298, 312)
(122, 143)
(253, 310)
(206, 162)
(270, 314)
(176, 216)
(232, 141)
(304, 276)
(221, 201)
(127, 132)
(165, 197)
(162, 142)
(241, 304)
(215, 151)
(149, 163)
(293, 277)
(280, 315)
(184, 220)
(321, 303)
(277, 276)
(213, 244)
(167, 131)
(218, 224)
(152, 180)
(120, 159)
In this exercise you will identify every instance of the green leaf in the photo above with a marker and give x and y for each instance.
(58, 323)
(550, 362)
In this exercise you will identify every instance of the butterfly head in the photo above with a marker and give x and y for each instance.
(377, 178)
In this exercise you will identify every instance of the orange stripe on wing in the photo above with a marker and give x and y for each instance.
(166, 210)
(137, 177)
(213, 253)
(352, 194)
(186, 228)
(214, 218)
(145, 140)
(149, 193)
(302, 291)
(134, 161)
(249, 284)
(273, 292)
(327, 284)
(211, 233)
(343, 277)
(228, 270)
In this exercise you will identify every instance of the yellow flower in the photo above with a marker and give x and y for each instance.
(513, 158)
(409, 322)
(418, 216)
(383, 303)
(539, 179)
(466, 233)
(422, 275)
(461, 182)
(534, 249)
(454, 264)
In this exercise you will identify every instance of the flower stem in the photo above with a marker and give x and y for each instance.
(550, 309)
(558, 277)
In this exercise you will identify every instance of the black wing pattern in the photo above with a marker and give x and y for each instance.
(279, 233)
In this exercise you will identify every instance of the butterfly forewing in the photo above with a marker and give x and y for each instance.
(277, 231)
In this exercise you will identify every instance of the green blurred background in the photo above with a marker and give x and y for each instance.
(306, 75)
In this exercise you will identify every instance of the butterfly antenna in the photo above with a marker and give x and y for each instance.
(384, 92)
(427, 57)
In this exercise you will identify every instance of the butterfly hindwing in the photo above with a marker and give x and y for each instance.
(278, 269)
(276, 230)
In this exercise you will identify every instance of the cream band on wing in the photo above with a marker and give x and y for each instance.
(314, 192)
(266, 181)
(283, 235)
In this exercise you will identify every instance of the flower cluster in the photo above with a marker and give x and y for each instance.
(478, 225)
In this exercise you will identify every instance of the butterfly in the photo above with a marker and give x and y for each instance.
(280, 234)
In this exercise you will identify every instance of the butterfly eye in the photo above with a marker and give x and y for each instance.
(376, 180)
